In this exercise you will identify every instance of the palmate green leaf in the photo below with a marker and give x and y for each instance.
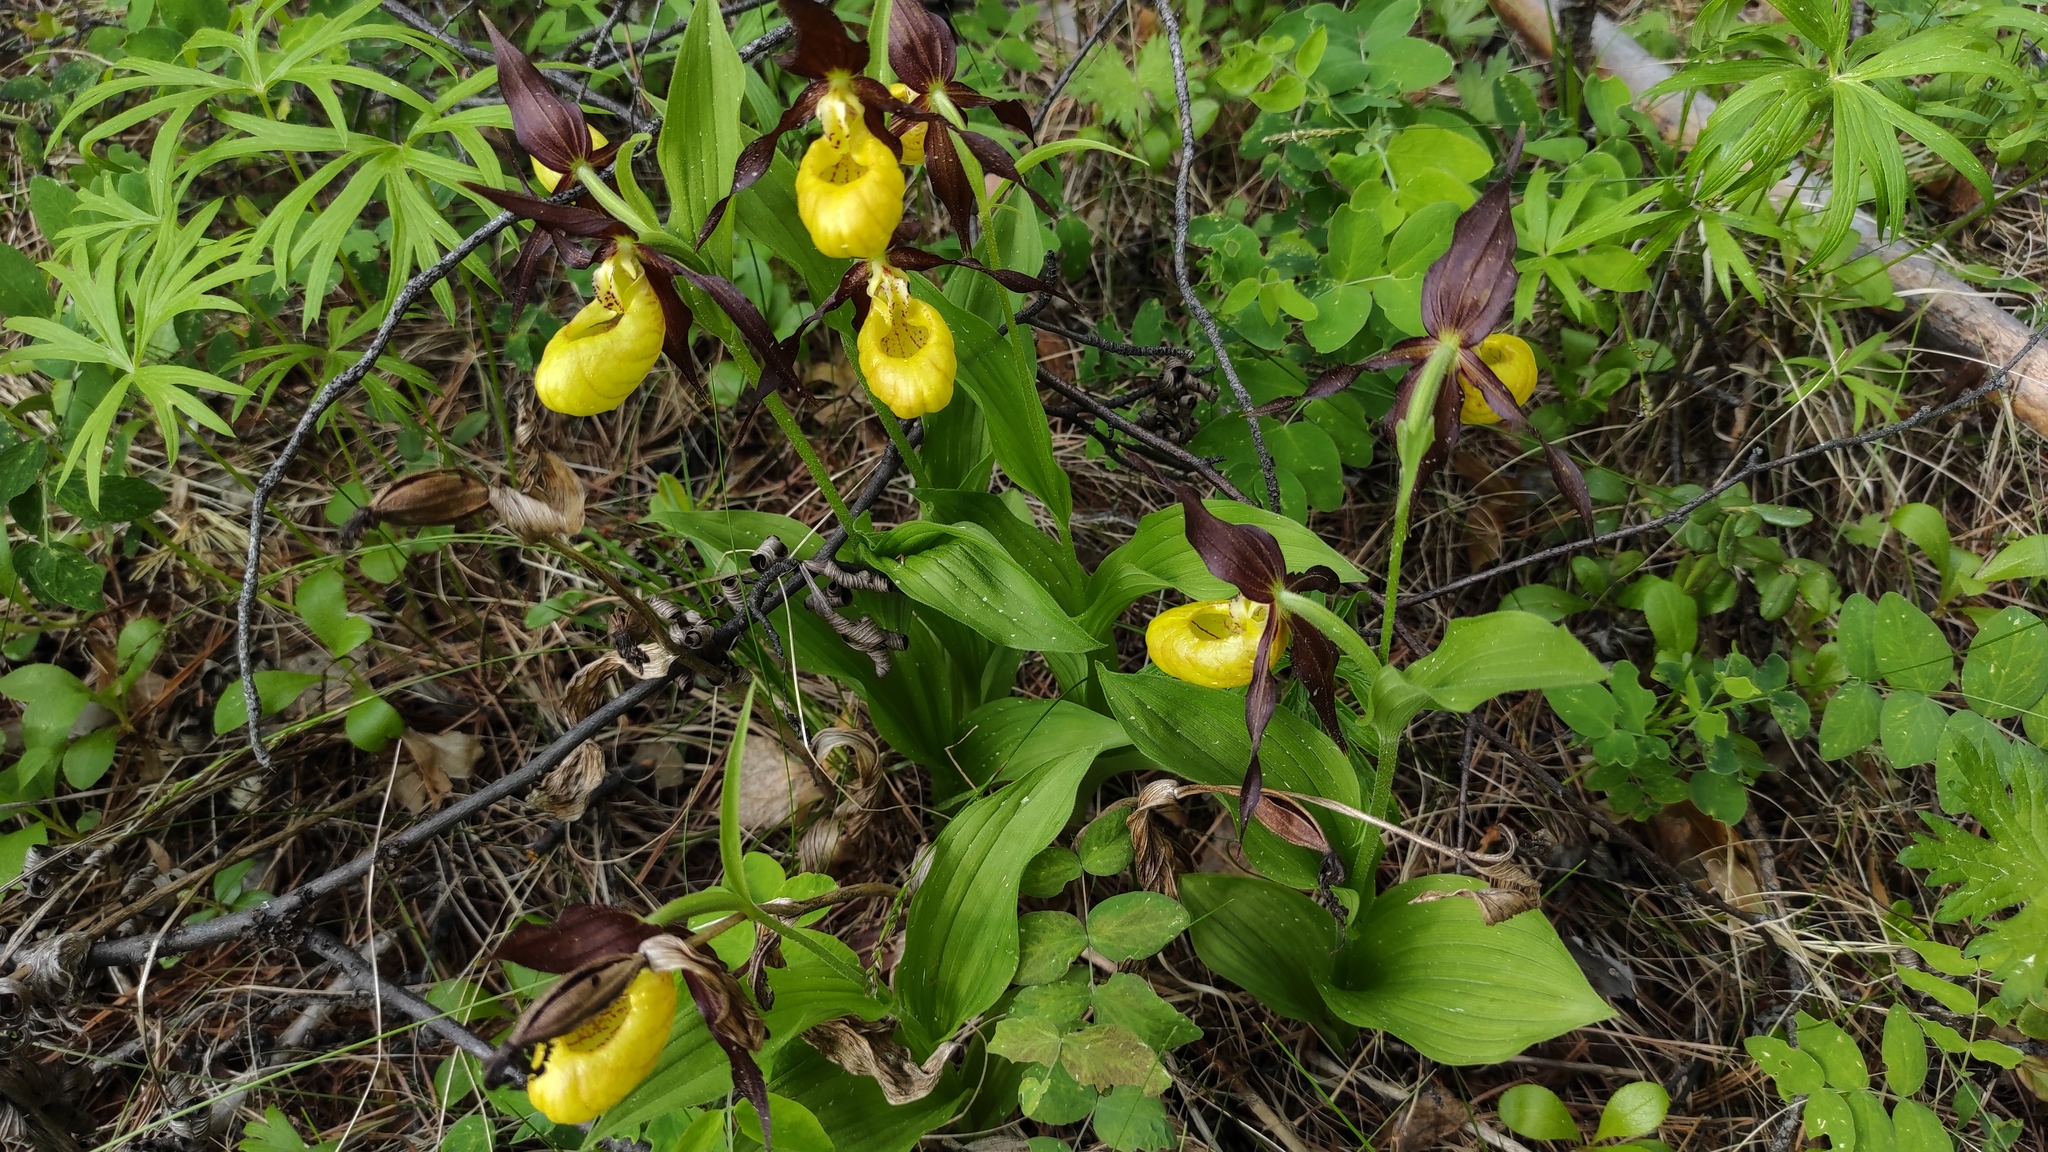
(253, 70)
(1822, 23)
(1863, 147)
(2004, 786)
(382, 169)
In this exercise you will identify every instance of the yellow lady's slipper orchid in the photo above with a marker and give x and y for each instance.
(578, 1076)
(906, 350)
(850, 197)
(1213, 643)
(1512, 360)
(551, 179)
(913, 136)
(598, 358)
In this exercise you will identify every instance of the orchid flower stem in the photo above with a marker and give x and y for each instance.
(1401, 501)
(1414, 434)
(819, 475)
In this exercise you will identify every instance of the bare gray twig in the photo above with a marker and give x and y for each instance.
(1180, 252)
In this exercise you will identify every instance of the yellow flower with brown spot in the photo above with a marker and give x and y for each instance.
(1214, 643)
(1514, 363)
(551, 179)
(596, 360)
(576, 1077)
(849, 194)
(906, 350)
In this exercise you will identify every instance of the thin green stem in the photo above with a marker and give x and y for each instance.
(1401, 502)
(802, 444)
(1413, 437)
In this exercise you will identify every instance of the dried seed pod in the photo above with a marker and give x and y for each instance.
(442, 496)
(565, 792)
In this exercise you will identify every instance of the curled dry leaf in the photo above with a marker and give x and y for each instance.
(859, 777)
(437, 761)
(551, 509)
(53, 971)
(587, 687)
(1155, 858)
(1511, 891)
(865, 1048)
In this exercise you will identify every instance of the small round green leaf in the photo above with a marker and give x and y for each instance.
(371, 723)
(1535, 1111)
(1905, 1053)
(1049, 872)
(1135, 925)
(1046, 943)
(1104, 846)
(1634, 1110)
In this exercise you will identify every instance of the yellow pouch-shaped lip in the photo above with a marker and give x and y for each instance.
(1514, 362)
(1213, 643)
(850, 199)
(577, 1077)
(596, 360)
(906, 353)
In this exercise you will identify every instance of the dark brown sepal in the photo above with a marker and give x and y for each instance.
(921, 47)
(568, 219)
(567, 1005)
(823, 45)
(1472, 285)
(1011, 113)
(676, 320)
(1245, 556)
(777, 369)
(735, 1024)
(949, 179)
(582, 933)
(1562, 470)
(995, 158)
(552, 130)
(1315, 665)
